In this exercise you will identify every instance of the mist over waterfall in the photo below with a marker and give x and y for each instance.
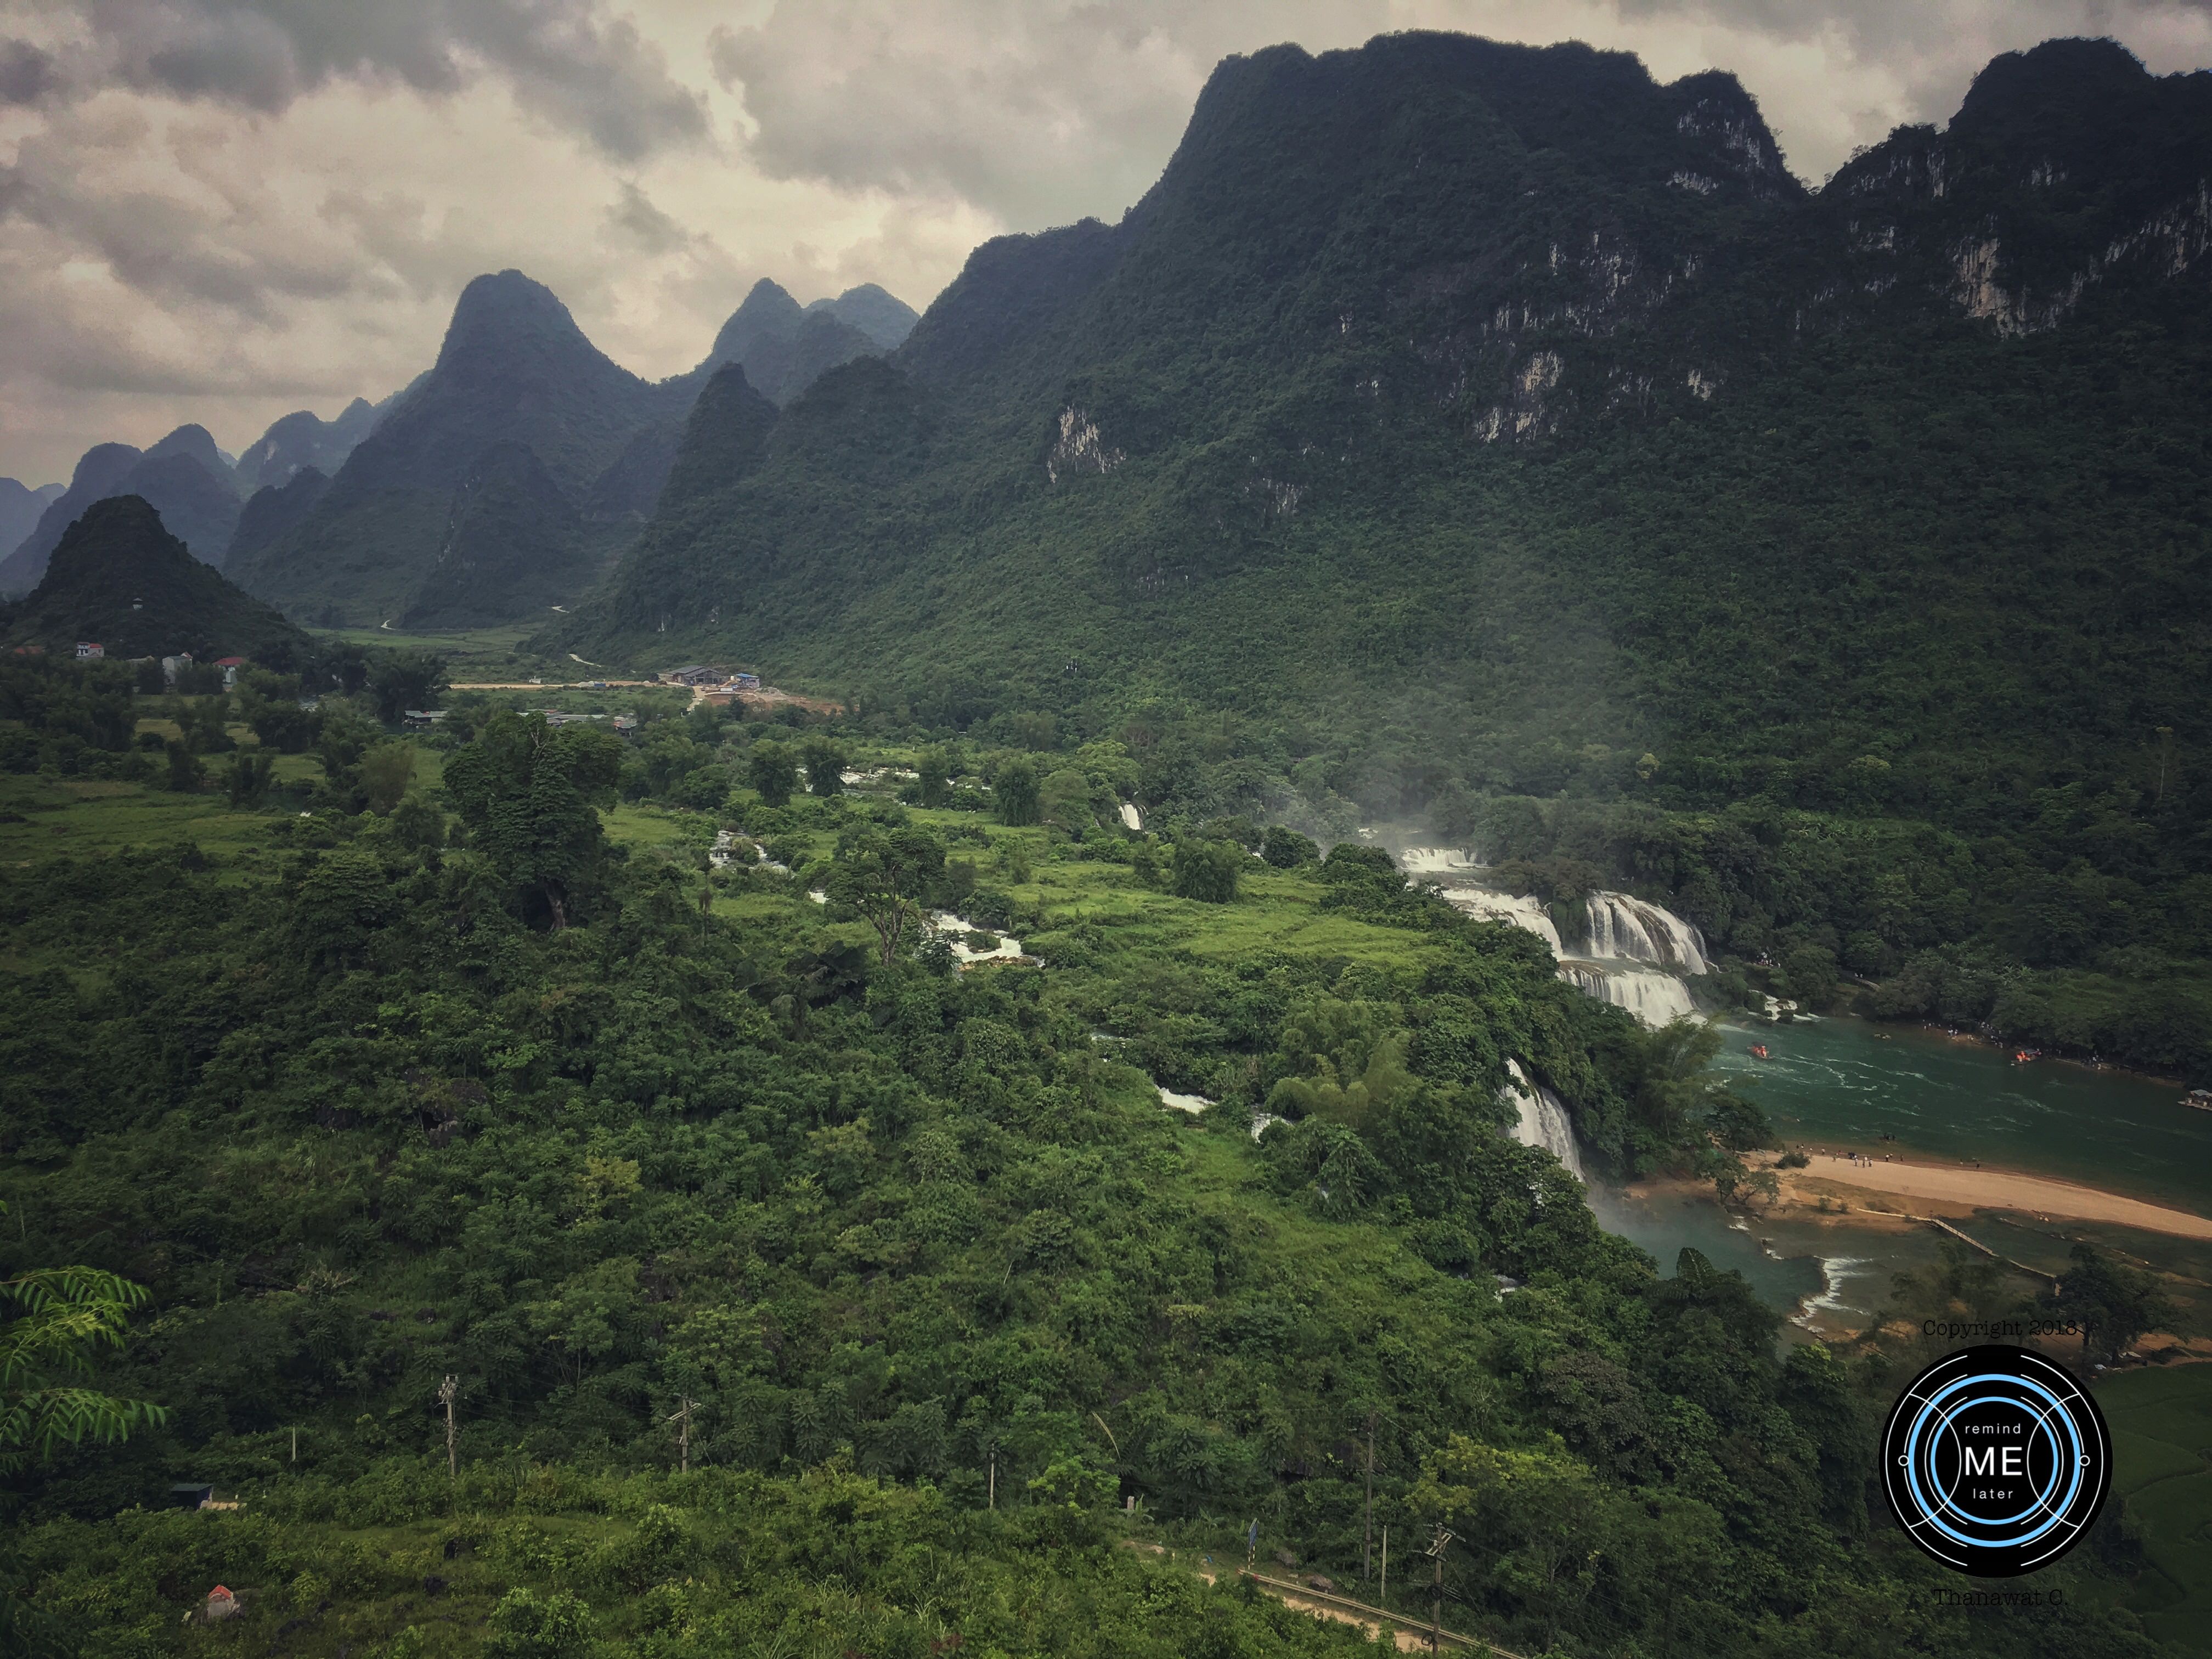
(1543, 1120)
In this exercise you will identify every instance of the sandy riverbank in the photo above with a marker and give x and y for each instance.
(1989, 1189)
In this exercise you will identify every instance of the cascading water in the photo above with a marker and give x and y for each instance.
(1653, 997)
(1527, 911)
(1543, 1120)
(1628, 929)
(1437, 860)
(1633, 954)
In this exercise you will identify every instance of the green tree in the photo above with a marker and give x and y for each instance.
(54, 1318)
(184, 773)
(1286, 849)
(1207, 870)
(2112, 1302)
(342, 737)
(246, 779)
(772, 771)
(50, 1320)
(1016, 789)
(385, 771)
(525, 1626)
(825, 767)
(401, 680)
(933, 766)
(1064, 801)
(529, 795)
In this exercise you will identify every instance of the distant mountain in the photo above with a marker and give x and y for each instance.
(19, 508)
(304, 439)
(99, 471)
(473, 499)
(119, 578)
(883, 317)
(275, 509)
(184, 476)
(196, 444)
(786, 347)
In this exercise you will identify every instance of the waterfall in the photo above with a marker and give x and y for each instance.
(1543, 1120)
(1652, 996)
(1527, 911)
(1631, 958)
(1435, 860)
(1625, 928)
(1131, 818)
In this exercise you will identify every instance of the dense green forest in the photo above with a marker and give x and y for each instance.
(803, 1293)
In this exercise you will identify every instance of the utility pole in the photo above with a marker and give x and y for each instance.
(995, 1475)
(2165, 754)
(1382, 1595)
(448, 1392)
(1435, 1553)
(1367, 1549)
(681, 1419)
(295, 1445)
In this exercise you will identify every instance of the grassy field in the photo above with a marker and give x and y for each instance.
(2162, 1423)
(470, 653)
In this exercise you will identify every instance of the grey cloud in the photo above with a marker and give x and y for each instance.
(26, 74)
(637, 223)
(1036, 112)
(568, 61)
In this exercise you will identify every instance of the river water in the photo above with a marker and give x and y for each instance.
(1843, 1084)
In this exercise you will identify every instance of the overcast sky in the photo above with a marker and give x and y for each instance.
(222, 210)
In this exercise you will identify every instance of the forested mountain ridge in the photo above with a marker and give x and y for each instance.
(120, 578)
(1482, 421)
(184, 476)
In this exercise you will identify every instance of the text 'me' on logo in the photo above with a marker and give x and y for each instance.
(1995, 1460)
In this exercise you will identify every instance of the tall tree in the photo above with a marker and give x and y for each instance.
(772, 771)
(529, 793)
(1018, 788)
(825, 767)
(2112, 1302)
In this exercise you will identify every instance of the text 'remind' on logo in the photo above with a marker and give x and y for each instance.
(1995, 1460)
